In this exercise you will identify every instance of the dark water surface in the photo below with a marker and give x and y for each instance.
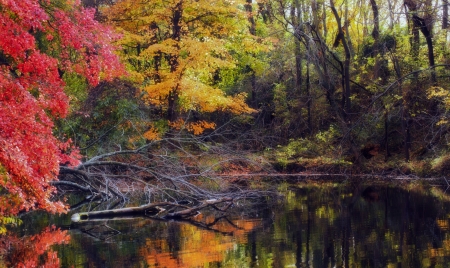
(326, 225)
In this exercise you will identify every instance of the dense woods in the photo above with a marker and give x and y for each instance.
(170, 97)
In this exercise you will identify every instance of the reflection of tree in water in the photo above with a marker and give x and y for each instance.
(197, 247)
(146, 241)
(342, 225)
(356, 225)
(32, 251)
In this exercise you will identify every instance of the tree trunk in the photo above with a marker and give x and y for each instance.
(444, 14)
(324, 21)
(405, 116)
(346, 73)
(376, 21)
(425, 25)
(406, 132)
(347, 31)
(309, 101)
(296, 21)
(177, 15)
(315, 15)
(386, 135)
(252, 30)
(296, 18)
(391, 16)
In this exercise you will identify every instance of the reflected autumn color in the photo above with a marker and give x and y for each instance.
(32, 251)
(198, 247)
(323, 225)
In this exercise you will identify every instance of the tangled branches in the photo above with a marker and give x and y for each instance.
(182, 171)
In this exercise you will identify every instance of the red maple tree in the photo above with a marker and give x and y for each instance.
(40, 40)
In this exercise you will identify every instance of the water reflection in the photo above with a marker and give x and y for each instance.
(32, 251)
(329, 225)
(362, 226)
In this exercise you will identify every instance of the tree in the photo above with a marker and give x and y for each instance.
(42, 40)
(425, 24)
(176, 50)
(346, 70)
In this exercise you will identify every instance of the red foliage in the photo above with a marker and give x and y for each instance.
(32, 251)
(32, 92)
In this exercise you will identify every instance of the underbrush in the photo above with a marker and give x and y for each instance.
(323, 153)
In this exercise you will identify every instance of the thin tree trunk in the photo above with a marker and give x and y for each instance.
(252, 30)
(324, 21)
(309, 101)
(296, 21)
(376, 21)
(406, 132)
(347, 31)
(297, 24)
(391, 16)
(424, 24)
(386, 134)
(380, 63)
(315, 15)
(444, 14)
(346, 74)
(173, 61)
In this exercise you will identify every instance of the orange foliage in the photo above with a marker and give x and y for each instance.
(201, 246)
(152, 134)
(173, 48)
(196, 128)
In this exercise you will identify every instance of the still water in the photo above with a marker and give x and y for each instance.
(320, 225)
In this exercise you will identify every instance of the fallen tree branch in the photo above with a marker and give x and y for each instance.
(152, 210)
(72, 184)
(189, 212)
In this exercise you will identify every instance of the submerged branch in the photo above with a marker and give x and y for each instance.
(153, 210)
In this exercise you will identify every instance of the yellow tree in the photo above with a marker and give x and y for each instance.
(175, 49)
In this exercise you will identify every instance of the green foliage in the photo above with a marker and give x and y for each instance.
(8, 221)
(76, 88)
(443, 95)
(280, 101)
(109, 117)
(441, 165)
(421, 168)
(322, 149)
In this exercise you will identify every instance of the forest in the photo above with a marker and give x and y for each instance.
(191, 103)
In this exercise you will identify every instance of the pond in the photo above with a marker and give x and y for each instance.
(317, 225)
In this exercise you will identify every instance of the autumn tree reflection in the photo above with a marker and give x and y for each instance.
(204, 246)
(32, 251)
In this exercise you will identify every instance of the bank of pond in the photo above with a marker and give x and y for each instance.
(314, 224)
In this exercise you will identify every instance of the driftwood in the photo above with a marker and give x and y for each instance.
(150, 210)
(163, 210)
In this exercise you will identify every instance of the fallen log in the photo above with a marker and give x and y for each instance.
(148, 210)
(153, 210)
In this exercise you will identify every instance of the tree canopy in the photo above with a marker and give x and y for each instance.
(40, 41)
(175, 50)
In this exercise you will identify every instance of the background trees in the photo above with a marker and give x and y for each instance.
(351, 74)
(380, 57)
